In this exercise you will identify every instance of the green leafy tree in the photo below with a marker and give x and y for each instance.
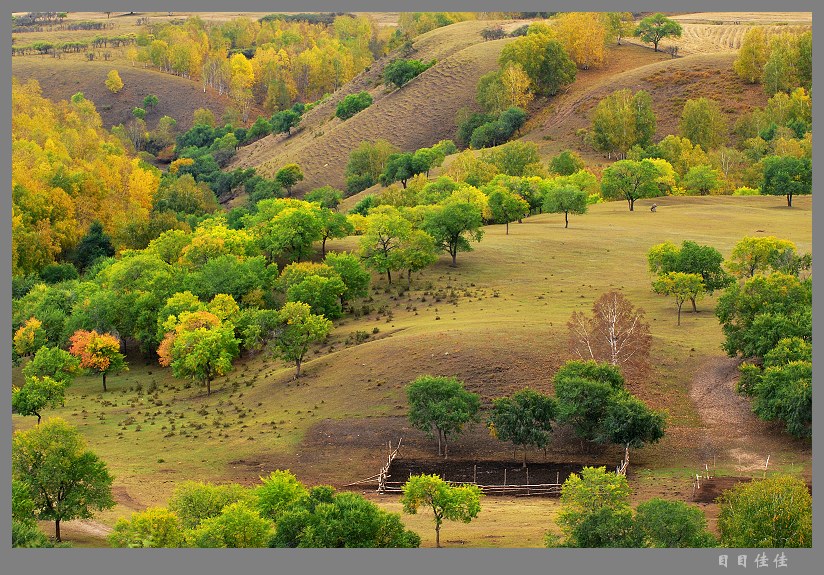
(703, 124)
(283, 122)
(583, 404)
(333, 225)
(605, 528)
(290, 232)
(327, 196)
(417, 252)
(299, 329)
(702, 179)
(762, 311)
(37, 394)
(288, 176)
(150, 102)
(544, 61)
(366, 164)
(155, 527)
(352, 104)
(386, 230)
(525, 419)
(446, 502)
(442, 406)
(402, 167)
(193, 502)
(690, 258)
(623, 120)
(323, 294)
(66, 480)
(784, 393)
(325, 519)
(506, 207)
(595, 509)
(682, 286)
(401, 71)
(762, 255)
(774, 512)
(454, 226)
(566, 200)
(201, 351)
(787, 176)
(566, 163)
(278, 493)
(139, 113)
(24, 530)
(514, 158)
(95, 244)
(629, 422)
(655, 28)
(350, 269)
(238, 526)
(631, 181)
(672, 524)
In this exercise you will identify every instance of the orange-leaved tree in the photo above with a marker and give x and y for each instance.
(99, 352)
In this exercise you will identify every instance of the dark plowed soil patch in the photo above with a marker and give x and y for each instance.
(484, 472)
(711, 489)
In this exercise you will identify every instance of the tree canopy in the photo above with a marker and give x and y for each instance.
(525, 419)
(66, 480)
(655, 28)
(441, 405)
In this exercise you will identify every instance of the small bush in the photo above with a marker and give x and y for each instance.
(352, 104)
(745, 191)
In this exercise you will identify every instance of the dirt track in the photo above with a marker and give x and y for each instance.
(731, 432)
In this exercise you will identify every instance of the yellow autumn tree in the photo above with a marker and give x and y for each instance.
(749, 65)
(584, 37)
(242, 77)
(67, 171)
(516, 85)
(113, 82)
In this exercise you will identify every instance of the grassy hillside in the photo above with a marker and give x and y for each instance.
(498, 322)
(670, 82)
(178, 97)
(417, 115)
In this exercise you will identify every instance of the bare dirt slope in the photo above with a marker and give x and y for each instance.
(178, 97)
(731, 432)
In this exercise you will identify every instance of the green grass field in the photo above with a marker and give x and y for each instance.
(497, 321)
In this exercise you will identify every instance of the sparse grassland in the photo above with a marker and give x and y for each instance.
(498, 322)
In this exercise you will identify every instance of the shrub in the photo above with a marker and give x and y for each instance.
(774, 512)
(352, 104)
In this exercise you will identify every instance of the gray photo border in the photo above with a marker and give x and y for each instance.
(359, 561)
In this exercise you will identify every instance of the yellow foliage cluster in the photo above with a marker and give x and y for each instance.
(292, 60)
(584, 36)
(67, 172)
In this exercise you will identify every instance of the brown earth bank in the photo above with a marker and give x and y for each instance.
(177, 97)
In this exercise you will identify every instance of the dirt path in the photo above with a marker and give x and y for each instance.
(731, 432)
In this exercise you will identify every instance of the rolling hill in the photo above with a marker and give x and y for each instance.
(417, 115)
(178, 97)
